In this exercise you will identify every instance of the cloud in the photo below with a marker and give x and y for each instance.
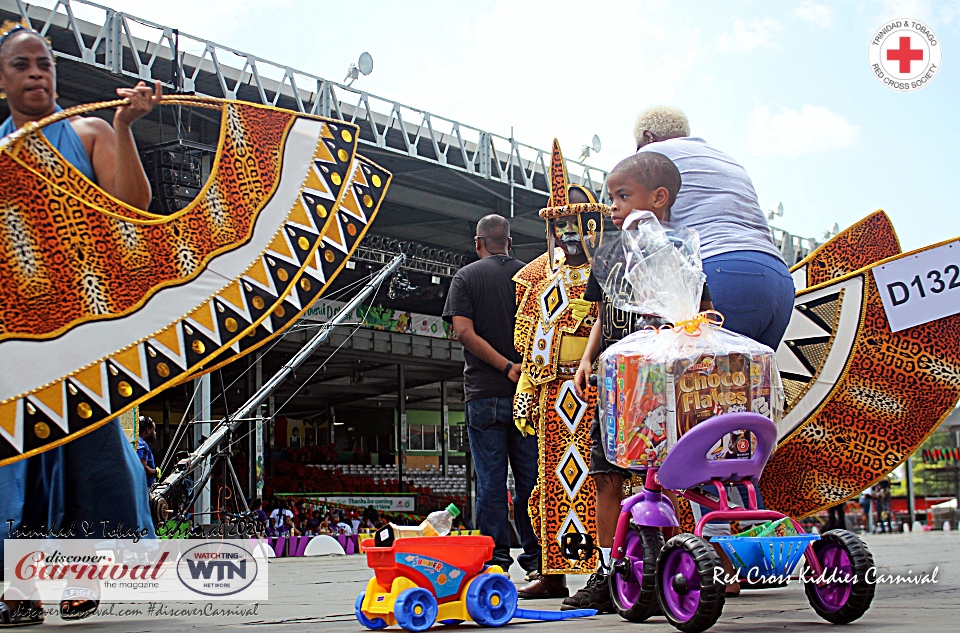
(747, 37)
(817, 14)
(788, 132)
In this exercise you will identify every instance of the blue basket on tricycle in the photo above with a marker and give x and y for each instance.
(765, 557)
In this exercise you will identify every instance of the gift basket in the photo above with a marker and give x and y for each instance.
(658, 383)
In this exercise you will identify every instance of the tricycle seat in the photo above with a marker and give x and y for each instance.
(687, 466)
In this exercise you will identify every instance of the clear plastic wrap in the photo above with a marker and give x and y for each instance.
(657, 384)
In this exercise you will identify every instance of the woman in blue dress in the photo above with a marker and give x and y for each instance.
(96, 480)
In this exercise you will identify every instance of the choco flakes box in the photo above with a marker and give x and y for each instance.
(651, 404)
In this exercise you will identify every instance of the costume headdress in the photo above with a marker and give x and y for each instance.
(589, 214)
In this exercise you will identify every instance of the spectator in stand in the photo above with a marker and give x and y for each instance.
(288, 528)
(272, 528)
(370, 517)
(313, 523)
(256, 508)
(339, 527)
(281, 511)
(355, 522)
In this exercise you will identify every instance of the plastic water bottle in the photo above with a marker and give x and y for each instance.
(437, 523)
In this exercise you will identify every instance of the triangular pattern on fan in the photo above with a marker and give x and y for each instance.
(104, 366)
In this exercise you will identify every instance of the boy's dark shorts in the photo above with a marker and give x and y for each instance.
(599, 465)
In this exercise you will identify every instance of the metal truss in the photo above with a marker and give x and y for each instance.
(140, 49)
(133, 47)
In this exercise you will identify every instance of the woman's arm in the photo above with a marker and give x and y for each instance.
(113, 151)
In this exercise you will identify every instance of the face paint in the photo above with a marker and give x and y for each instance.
(566, 230)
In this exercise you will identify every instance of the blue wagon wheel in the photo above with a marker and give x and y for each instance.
(491, 600)
(374, 624)
(415, 609)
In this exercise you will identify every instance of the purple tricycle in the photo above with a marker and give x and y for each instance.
(684, 577)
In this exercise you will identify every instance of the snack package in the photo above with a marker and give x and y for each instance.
(659, 383)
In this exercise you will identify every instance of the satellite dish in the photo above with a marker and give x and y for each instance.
(596, 142)
(365, 63)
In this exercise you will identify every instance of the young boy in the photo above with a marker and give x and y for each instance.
(646, 181)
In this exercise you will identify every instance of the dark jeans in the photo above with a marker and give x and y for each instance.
(754, 292)
(494, 440)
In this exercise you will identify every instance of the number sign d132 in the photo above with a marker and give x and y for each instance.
(921, 287)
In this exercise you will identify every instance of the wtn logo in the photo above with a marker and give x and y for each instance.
(224, 568)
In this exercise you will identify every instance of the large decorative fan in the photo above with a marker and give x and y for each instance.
(860, 397)
(105, 305)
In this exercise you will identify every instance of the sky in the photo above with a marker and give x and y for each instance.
(786, 88)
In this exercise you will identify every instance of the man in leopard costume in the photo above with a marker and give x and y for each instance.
(553, 324)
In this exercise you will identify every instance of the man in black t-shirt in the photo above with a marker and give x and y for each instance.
(481, 305)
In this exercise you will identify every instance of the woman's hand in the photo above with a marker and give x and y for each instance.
(142, 102)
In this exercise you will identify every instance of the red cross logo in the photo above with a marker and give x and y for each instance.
(905, 54)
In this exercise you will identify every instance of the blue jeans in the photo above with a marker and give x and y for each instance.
(494, 440)
(754, 292)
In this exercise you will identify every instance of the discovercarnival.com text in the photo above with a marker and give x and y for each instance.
(159, 609)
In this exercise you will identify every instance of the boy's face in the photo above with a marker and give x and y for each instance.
(629, 195)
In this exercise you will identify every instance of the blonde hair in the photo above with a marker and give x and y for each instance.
(663, 121)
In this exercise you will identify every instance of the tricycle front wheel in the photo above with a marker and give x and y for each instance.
(843, 593)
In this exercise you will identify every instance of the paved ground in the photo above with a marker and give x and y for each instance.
(317, 594)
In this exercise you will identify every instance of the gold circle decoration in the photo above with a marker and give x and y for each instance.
(163, 370)
(375, 179)
(199, 347)
(124, 389)
(258, 303)
(367, 201)
(305, 284)
(279, 311)
(352, 230)
(336, 179)
(591, 225)
(231, 324)
(346, 136)
(342, 155)
(329, 256)
(303, 242)
(41, 430)
(282, 274)
(321, 211)
(84, 410)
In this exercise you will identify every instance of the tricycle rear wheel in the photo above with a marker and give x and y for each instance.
(690, 594)
(633, 577)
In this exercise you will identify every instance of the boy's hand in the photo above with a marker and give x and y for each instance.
(582, 379)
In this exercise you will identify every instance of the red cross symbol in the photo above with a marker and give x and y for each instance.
(905, 54)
